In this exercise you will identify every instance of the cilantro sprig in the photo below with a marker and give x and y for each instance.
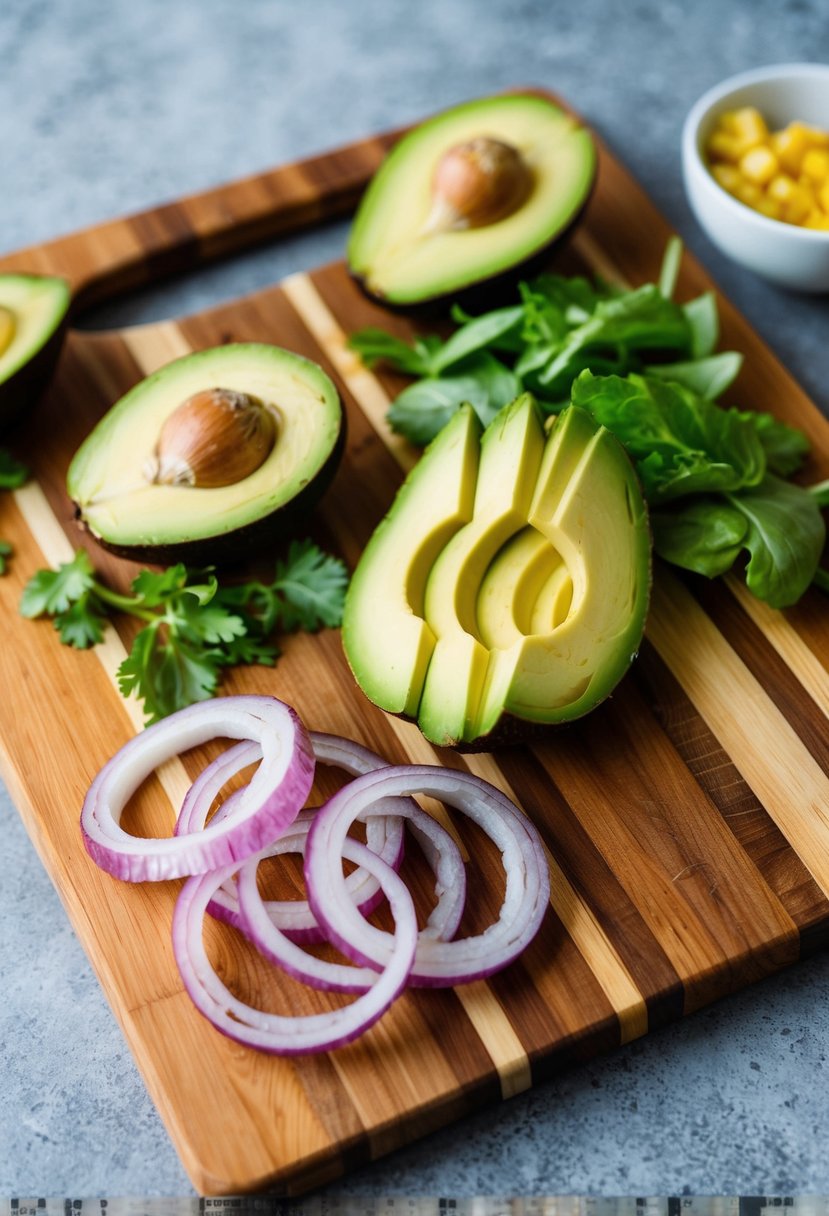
(193, 626)
(12, 475)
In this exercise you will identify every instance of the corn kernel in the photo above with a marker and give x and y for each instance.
(823, 197)
(814, 137)
(790, 146)
(817, 219)
(816, 164)
(722, 146)
(782, 187)
(759, 165)
(769, 207)
(728, 177)
(749, 126)
(749, 193)
(798, 206)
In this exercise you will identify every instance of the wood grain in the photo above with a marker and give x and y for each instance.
(686, 821)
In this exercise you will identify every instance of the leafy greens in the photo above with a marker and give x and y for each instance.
(193, 626)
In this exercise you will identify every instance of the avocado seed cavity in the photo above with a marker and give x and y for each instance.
(8, 326)
(215, 438)
(477, 183)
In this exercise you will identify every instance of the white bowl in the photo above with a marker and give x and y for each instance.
(788, 255)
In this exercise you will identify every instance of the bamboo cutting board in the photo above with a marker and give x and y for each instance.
(687, 819)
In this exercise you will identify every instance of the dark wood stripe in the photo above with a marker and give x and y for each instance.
(740, 809)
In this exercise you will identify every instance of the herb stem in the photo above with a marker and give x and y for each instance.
(122, 603)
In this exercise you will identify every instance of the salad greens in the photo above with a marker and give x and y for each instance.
(561, 327)
(647, 368)
(709, 476)
(193, 626)
(12, 475)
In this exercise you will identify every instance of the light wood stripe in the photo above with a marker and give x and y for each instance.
(759, 740)
(362, 384)
(111, 652)
(585, 931)
(793, 650)
(581, 924)
(495, 1031)
(154, 345)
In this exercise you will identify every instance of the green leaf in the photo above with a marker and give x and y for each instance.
(476, 335)
(669, 272)
(785, 539)
(785, 446)
(312, 585)
(210, 623)
(681, 443)
(708, 377)
(52, 591)
(82, 624)
(12, 472)
(820, 493)
(424, 408)
(155, 587)
(704, 535)
(5, 552)
(704, 323)
(167, 675)
(376, 346)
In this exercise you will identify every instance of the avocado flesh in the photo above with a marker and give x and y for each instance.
(390, 250)
(537, 603)
(34, 309)
(511, 449)
(384, 607)
(134, 516)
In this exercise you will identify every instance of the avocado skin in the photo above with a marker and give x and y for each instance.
(22, 389)
(242, 544)
(485, 293)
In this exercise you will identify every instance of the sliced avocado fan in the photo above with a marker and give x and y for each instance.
(508, 585)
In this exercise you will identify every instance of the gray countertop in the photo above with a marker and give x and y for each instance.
(107, 108)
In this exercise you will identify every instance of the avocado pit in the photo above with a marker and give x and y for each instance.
(477, 183)
(217, 437)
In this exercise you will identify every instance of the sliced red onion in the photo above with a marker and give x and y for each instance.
(262, 926)
(273, 1032)
(436, 963)
(267, 806)
(384, 833)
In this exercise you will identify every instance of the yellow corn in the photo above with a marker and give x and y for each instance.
(782, 174)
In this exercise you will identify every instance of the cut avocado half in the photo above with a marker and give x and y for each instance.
(210, 458)
(524, 603)
(468, 196)
(33, 312)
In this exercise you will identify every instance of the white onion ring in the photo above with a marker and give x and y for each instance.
(273, 1032)
(261, 926)
(384, 832)
(265, 809)
(436, 963)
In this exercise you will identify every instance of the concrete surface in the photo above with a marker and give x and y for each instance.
(106, 108)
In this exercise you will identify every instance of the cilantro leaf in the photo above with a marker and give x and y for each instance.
(52, 591)
(312, 585)
(5, 552)
(82, 624)
(167, 675)
(376, 346)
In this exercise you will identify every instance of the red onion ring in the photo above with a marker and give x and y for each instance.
(384, 831)
(436, 963)
(265, 809)
(273, 1032)
(262, 927)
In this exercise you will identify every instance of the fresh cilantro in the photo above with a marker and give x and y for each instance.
(193, 625)
(5, 552)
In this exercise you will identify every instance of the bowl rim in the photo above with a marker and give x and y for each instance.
(691, 152)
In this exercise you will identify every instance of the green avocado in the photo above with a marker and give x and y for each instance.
(211, 458)
(470, 196)
(33, 312)
(507, 588)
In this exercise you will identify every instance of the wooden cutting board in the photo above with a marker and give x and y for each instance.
(687, 819)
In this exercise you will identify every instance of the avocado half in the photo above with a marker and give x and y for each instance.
(468, 197)
(202, 407)
(507, 588)
(33, 313)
